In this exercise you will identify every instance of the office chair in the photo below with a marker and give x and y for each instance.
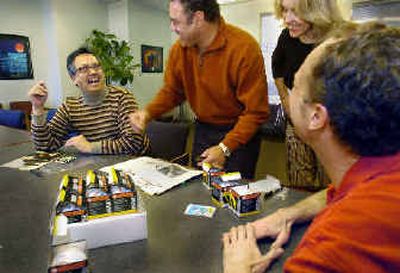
(26, 108)
(168, 141)
(12, 118)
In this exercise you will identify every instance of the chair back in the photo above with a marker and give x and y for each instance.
(12, 118)
(24, 106)
(168, 140)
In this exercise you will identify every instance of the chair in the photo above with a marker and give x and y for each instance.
(50, 113)
(26, 107)
(12, 118)
(168, 141)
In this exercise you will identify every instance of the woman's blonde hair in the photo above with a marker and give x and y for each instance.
(322, 15)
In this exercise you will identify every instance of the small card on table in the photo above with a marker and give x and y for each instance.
(200, 210)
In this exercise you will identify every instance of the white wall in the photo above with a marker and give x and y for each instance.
(150, 26)
(55, 27)
(24, 18)
(73, 22)
(247, 15)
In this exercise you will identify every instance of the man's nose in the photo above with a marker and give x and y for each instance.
(173, 28)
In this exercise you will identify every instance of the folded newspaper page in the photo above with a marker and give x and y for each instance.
(155, 176)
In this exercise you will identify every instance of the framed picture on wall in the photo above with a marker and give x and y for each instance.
(15, 57)
(152, 59)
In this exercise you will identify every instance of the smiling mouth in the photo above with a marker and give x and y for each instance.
(94, 80)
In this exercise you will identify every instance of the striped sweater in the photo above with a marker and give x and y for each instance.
(105, 125)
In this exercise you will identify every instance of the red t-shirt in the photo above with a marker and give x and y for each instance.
(359, 230)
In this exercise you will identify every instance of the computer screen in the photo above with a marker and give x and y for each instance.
(15, 57)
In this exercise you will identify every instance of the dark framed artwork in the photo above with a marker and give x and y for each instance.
(152, 59)
(15, 57)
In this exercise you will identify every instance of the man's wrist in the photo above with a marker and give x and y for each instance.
(224, 149)
(38, 111)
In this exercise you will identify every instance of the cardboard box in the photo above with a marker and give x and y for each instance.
(110, 230)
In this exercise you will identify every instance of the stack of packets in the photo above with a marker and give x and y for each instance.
(230, 190)
(71, 257)
(100, 194)
(39, 159)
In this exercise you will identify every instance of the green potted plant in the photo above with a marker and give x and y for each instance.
(115, 56)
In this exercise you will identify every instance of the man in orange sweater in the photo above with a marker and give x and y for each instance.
(346, 105)
(219, 70)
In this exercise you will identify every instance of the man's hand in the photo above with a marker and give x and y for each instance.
(275, 225)
(139, 120)
(241, 253)
(38, 95)
(80, 143)
(213, 155)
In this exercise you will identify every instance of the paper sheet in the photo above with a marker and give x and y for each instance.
(155, 176)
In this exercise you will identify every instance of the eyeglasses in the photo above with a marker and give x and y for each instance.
(85, 69)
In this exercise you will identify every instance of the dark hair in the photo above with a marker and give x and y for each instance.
(71, 58)
(361, 81)
(209, 7)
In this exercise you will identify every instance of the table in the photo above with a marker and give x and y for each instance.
(11, 136)
(176, 242)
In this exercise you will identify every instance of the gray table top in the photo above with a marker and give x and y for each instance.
(176, 242)
(11, 136)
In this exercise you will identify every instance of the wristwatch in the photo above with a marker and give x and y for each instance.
(224, 149)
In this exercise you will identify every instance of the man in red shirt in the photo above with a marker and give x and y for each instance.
(346, 105)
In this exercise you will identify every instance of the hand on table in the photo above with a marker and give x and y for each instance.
(241, 253)
(213, 155)
(80, 143)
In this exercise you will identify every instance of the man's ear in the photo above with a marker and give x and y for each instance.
(198, 17)
(319, 117)
(75, 80)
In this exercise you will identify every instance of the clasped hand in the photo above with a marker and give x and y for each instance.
(241, 253)
(79, 142)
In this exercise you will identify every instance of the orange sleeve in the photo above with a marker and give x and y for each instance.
(172, 93)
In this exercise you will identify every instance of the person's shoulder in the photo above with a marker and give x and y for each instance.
(119, 92)
(114, 89)
(375, 196)
(240, 35)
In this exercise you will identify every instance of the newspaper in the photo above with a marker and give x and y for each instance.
(155, 176)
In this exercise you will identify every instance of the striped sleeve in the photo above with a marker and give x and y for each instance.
(127, 141)
(50, 136)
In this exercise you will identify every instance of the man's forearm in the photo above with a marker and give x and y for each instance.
(306, 209)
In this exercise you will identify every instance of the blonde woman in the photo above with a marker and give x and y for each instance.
(307, 23)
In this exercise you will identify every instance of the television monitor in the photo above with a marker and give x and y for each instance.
(15, 57)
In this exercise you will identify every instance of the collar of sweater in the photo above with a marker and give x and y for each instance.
(94, 98)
